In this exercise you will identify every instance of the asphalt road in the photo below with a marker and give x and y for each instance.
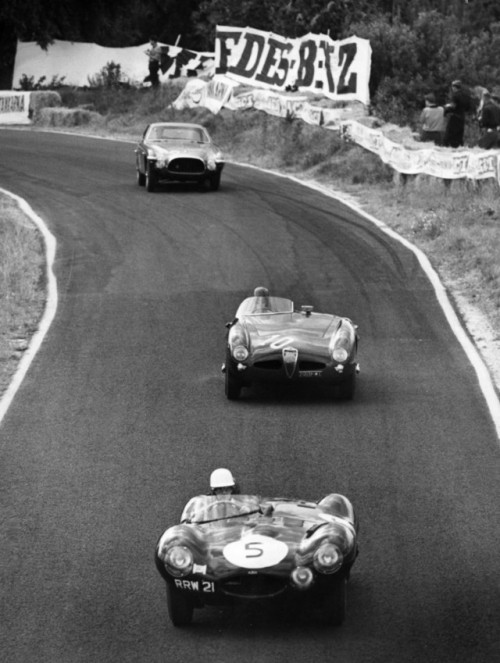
(122, 417)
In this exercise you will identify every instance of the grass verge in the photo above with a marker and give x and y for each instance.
(22, 285)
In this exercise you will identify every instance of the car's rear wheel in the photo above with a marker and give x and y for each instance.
(151, 178)
(232, 386)
(345, 391)
(180, 607)
(141, 178)
(334, 605)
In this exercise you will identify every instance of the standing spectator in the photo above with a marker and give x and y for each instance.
(432, 121)
(455, 111)
(489, 121)
(154, 55)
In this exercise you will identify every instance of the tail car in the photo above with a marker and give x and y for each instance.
(229, 549)
(270, 341)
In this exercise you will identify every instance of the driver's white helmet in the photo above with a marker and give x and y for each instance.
(221, 478)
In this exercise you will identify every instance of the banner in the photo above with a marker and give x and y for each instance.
(77, 62)
(14, 107)
(444, 163)
(339, 70)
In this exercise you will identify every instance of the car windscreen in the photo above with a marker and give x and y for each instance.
(263, 305)
(212, 508)
(192, 134)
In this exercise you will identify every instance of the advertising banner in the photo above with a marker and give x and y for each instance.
(14, 107)
(338, 70)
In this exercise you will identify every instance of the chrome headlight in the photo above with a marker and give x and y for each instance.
(240, 353)
(327, 558)
(302, 577)
(178, 561)
(211, 165)
(340, 354)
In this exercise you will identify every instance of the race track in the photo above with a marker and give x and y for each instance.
(122, 416)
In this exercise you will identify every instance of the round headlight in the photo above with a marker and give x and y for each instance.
(240, 353)
(302, 577)
(179, 560)
(340, 354)
(328, 558)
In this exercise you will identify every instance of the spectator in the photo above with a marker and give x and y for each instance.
(154, 55)
(489, 121)
(432, 121)
(455, 111)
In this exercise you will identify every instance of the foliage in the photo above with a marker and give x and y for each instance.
(109, 77)
(28, 83)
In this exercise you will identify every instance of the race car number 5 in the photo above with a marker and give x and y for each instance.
(255, 552)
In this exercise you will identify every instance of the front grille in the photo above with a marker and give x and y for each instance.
(270, 365)
(186, 166)
(311, 366)
(254, 586)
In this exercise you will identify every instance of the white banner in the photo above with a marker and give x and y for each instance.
(438, 162)
(14, 107)
(338, 70)
(77, 62)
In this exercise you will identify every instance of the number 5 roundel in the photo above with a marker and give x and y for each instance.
(255, 552)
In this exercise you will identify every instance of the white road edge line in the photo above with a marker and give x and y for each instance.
(486, 383)
(49, 310)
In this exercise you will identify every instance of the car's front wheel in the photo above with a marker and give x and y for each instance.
(345, 390)
(215, 180)
(334, 605)
(180, 607)
(232, 386)
(151, 178)
(141, 178)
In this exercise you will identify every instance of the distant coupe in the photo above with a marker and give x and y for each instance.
(270, 341)
(176, 151)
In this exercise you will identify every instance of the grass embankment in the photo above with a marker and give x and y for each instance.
(22, 285)
(457, 226)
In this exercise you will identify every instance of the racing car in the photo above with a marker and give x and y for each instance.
(269, 341)
(230, 549)
(177, 151)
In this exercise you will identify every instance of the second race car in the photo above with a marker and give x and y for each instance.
(270, 341)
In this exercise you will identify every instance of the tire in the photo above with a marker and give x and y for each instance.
(215, 181)
(180, 607)
(151, 178)
(345, 391)
(141, 178)
(334, 605)
(232, 386)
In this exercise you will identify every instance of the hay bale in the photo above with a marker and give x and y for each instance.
(68, 117)
(43, 99)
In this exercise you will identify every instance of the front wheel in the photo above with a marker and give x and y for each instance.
(334, 605)
(180, 607)
(151, 178)
(346, 389)
(141, 178)
(215, 181)
(232, 386)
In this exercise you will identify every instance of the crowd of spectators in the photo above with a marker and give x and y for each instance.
(445, 125)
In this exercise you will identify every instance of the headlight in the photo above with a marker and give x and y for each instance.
(178, 561)
(302, 577)
(240, 353)
(340, 354)
(328, 558)
(211, 165)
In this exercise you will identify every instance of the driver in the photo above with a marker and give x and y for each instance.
(222, 482)
(222, 486)
(262, 304)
